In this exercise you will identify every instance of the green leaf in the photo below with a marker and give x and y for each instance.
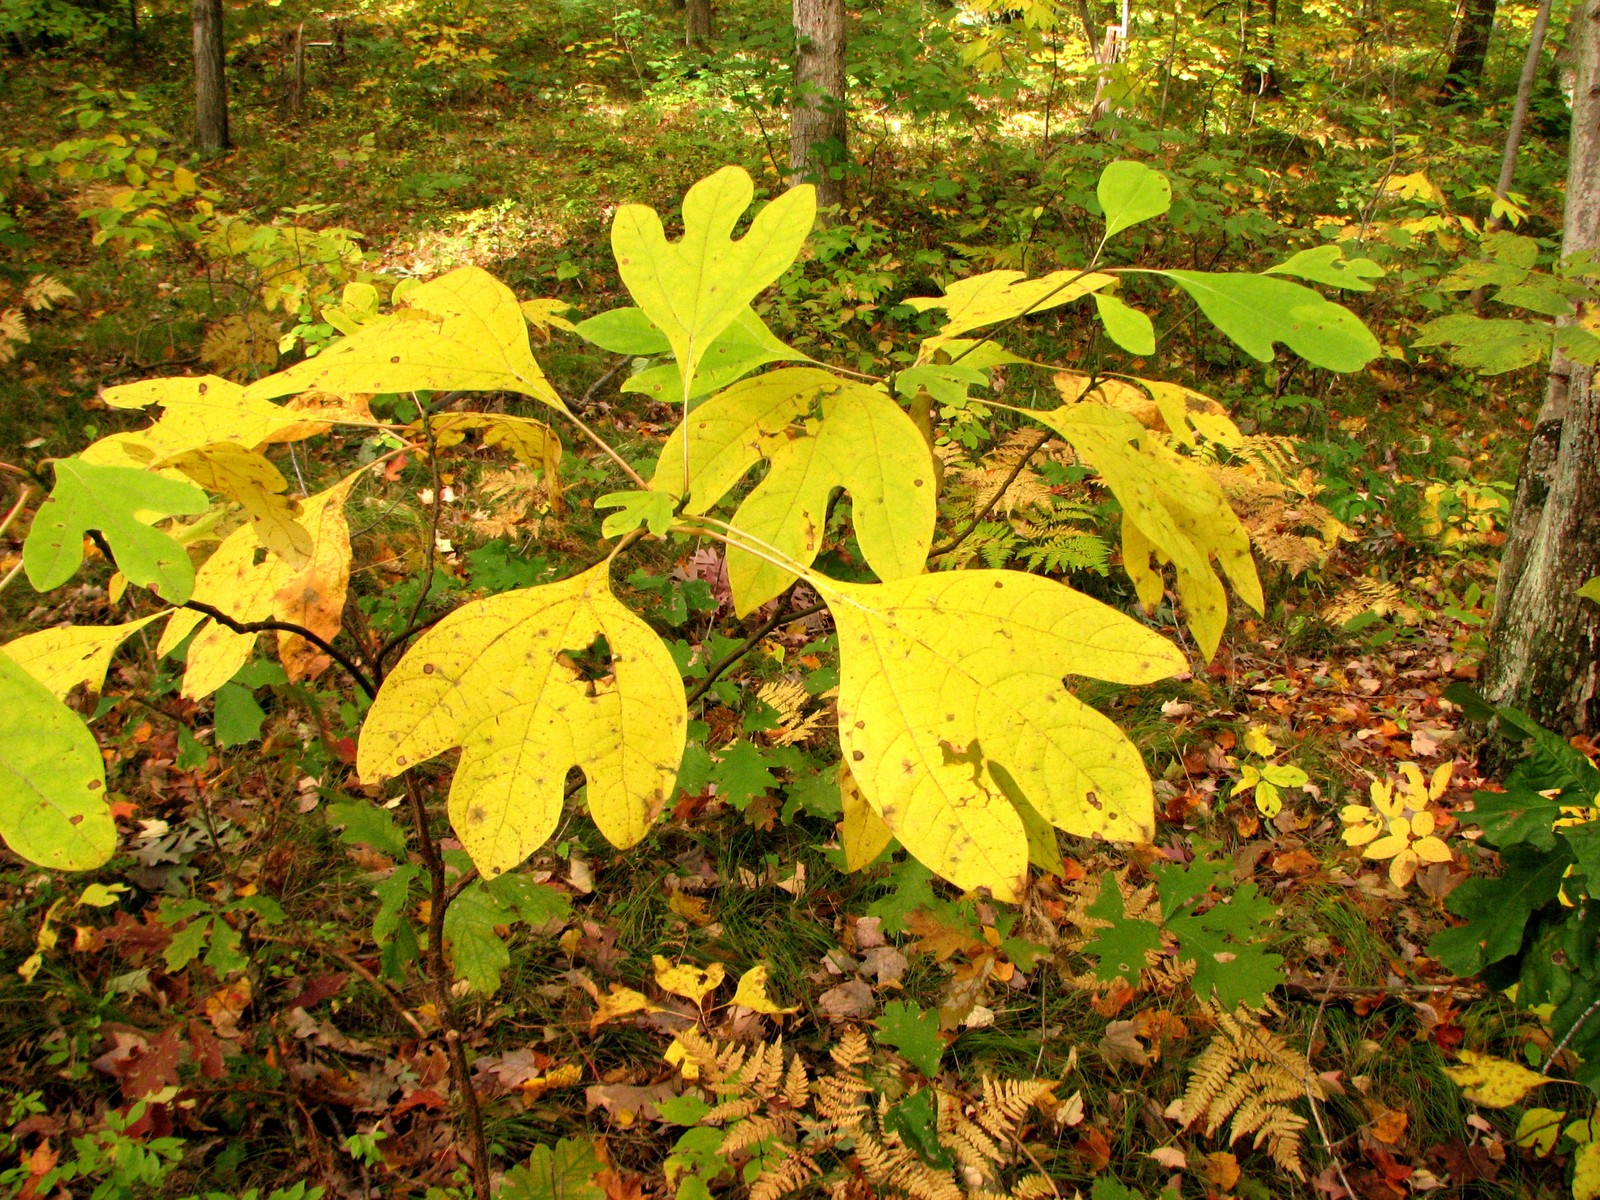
(946, 382)
(366, 824)
(392, 892)
(1228, 966)
(108, 499)
(624, 331)
(1516, 815)
(694, 288)
(564, 1173)
(1256, 311)
(1497, 911)
(238, 716)
(186, 945)
(910, 890)
(535, 904)
(1126, 326)
(738, 350)
(941, 674)
(1591, 590)
(53, 809)
(501, 679)
(463, 331)
(1488, 346)
(1130, 192)
(741, 774)
(914, 1032)
(818, 432)
(1121, 948)
(653, 510)
(477, 953)
(1327, 264)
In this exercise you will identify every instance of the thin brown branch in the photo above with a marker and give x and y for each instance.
(940, 551)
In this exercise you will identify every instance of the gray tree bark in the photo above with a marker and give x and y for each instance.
(697, 24)
(1544, 641)
(210, 82)
(818, 142)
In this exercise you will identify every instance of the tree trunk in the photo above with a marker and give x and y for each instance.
(1544, 642)
(1260, 74)
(210, 84)
(1473, 26)
(817, 126)
(697, 24)
(1519, 110)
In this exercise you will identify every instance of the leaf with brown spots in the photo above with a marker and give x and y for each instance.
(512, 681)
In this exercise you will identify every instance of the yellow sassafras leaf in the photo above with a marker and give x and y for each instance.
(64, 657)
(1493, 1082)
(677, 1055)
(619, 1002)
(462, 331)
(1178, 510)
(694, 288)
(1001, 295)
(250, 479)
(1258, 742)
(1586, 1173)
(497, 678)
(530, 442)
(311, 595)
(752, 993)
(951, 692)
(819, 432)
(862, 833)
(1538, 1129)
(687, 981)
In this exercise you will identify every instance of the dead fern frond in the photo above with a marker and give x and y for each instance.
(1365, 594)
(44, 292)
(1251, 1075)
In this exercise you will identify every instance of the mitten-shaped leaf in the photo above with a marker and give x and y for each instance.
(504, 679)
(952, 698)
(1171, 508)
(462, 331)
(52, 781)
(819, 432)
(107, 499)
(196, 411)
(695, 288)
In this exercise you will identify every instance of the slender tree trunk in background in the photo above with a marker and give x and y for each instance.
(1519, 110)
(1260, 74)
(210, 83)
(697, 24)
(1465, 72)
(1544, 642)
(817, 125)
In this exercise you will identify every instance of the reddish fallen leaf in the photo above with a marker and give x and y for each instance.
(1094, 1148)
(1221, 1170)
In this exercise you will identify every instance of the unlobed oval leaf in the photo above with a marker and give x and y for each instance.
(1255, 311)
(499, 678)
(943, 675)
(53, 809)
(1130, 192)
(1002, 295)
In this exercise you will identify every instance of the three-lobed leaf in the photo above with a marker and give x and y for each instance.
(695, 288)
(952, 691)
(500, 679)
(818, 433)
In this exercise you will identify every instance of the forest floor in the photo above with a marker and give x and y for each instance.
(274, 1044)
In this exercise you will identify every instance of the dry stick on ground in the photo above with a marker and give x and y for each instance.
(1311, 1095)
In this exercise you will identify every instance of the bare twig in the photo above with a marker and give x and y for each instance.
(778, 618)
(940, 551)
(316, 639)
